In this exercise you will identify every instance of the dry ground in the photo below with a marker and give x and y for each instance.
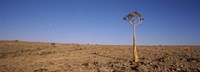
(17, 56)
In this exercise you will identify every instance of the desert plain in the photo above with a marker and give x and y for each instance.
(22, 56)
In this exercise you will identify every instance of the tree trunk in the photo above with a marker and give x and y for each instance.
(135, 56)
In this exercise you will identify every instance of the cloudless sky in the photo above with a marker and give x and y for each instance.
(167, 22)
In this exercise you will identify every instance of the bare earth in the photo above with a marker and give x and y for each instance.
(17, 56)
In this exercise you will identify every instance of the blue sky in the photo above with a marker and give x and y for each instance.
(167, 22)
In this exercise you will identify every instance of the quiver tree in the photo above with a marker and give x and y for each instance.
(134, 18)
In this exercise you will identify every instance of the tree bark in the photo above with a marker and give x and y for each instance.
(135, 56)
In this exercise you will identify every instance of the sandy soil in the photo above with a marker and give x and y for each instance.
(17, 56)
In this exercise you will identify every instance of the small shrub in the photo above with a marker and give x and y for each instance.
(16, 40)
(53, 44)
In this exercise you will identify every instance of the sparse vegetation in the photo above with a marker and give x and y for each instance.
(34, 57)
(53, 44)
(16, 40)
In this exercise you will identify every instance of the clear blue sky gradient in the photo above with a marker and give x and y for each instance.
(167, 22)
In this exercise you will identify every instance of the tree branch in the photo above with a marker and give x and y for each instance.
(132, 24)
(138, 23)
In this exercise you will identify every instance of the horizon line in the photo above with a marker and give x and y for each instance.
(104, 44)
